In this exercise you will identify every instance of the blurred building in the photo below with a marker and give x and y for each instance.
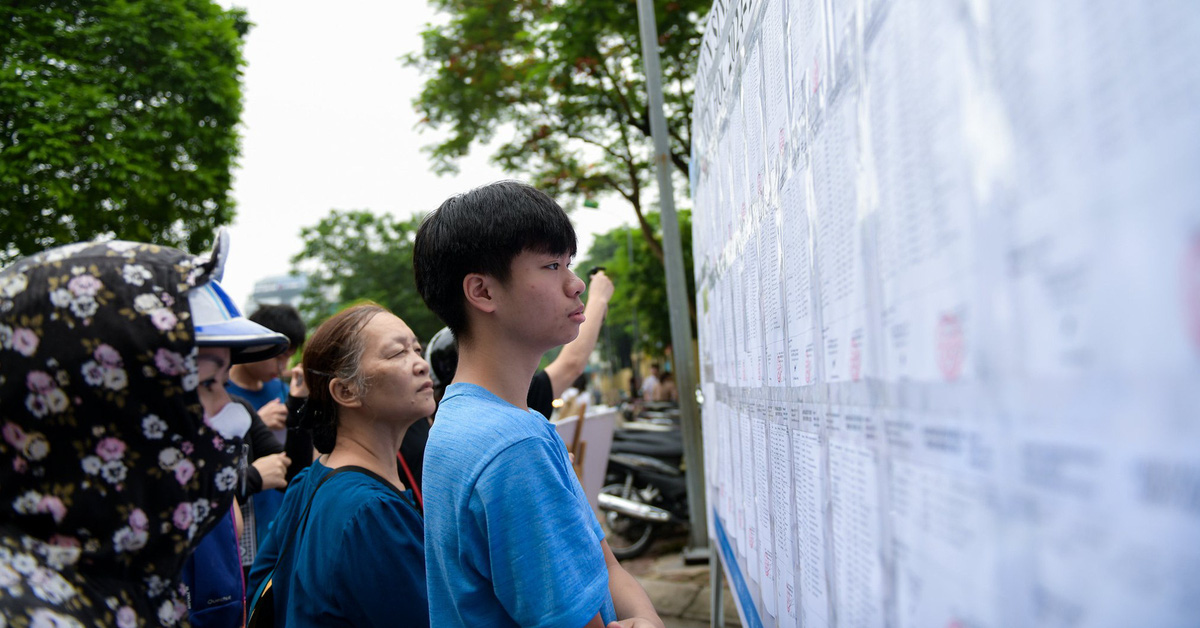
(276, 290)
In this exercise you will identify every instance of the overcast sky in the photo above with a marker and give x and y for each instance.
(328, 123)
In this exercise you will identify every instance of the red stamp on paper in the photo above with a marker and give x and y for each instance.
(951, 351)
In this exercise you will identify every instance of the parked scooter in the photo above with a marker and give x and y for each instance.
(645, 491)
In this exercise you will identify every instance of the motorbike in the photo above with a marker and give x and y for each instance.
(645, 491)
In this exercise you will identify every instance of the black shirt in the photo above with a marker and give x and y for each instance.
(541, 394)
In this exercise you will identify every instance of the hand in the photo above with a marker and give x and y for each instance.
(635, 622)
(273, 469)
(239, 524)
(600, 287)
(298, 387)
(274, 414)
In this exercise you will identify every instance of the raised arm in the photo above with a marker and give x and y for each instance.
(574, 355)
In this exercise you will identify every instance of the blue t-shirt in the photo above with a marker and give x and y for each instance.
(274, 389)
(360, 560)
(509, 536)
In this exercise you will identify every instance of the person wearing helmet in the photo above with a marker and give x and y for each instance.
(118, 454)
(442, 353)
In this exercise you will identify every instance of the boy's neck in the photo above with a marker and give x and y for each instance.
(238, 376)
(504, 371)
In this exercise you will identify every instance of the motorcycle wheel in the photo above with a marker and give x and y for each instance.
(627, 537)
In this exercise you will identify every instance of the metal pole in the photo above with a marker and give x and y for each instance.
(681, 325)
(633, 346)
(716, 583)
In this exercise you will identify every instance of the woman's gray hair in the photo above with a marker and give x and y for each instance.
(334, 351)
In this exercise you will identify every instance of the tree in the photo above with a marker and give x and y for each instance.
(568, 79)
(117, 119)
(640, 286)
(354, 255)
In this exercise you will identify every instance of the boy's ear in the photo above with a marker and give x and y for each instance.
(479, 292)
(344, 393)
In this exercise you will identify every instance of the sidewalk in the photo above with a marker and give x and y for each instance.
(681, 593)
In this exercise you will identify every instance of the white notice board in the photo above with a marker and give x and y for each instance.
(948, 273)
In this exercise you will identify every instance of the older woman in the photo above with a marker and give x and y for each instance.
(118, 454)
(347, 547)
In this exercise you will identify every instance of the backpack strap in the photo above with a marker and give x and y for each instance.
(264, 596)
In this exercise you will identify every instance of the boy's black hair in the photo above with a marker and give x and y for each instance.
(481, 231)
(283, 319)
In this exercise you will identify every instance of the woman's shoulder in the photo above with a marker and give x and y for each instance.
(356, 494)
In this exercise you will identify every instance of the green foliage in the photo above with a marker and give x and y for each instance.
(640, 286)
(356, 255)
(568, 79)
(117, 119)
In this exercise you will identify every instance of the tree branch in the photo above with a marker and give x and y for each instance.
(634, 120)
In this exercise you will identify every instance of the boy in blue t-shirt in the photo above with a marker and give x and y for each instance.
(510, 539)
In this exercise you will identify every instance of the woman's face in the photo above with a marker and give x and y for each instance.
(398, 383)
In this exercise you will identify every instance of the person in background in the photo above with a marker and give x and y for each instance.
(114, 461)
(650, 383)
(575, 399)
(260, 383)
(666, 390)
(347, 547)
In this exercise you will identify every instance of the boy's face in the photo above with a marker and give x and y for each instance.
(267, 370)
(539, 304)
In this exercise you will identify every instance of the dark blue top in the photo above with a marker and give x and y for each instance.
(359, 561)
